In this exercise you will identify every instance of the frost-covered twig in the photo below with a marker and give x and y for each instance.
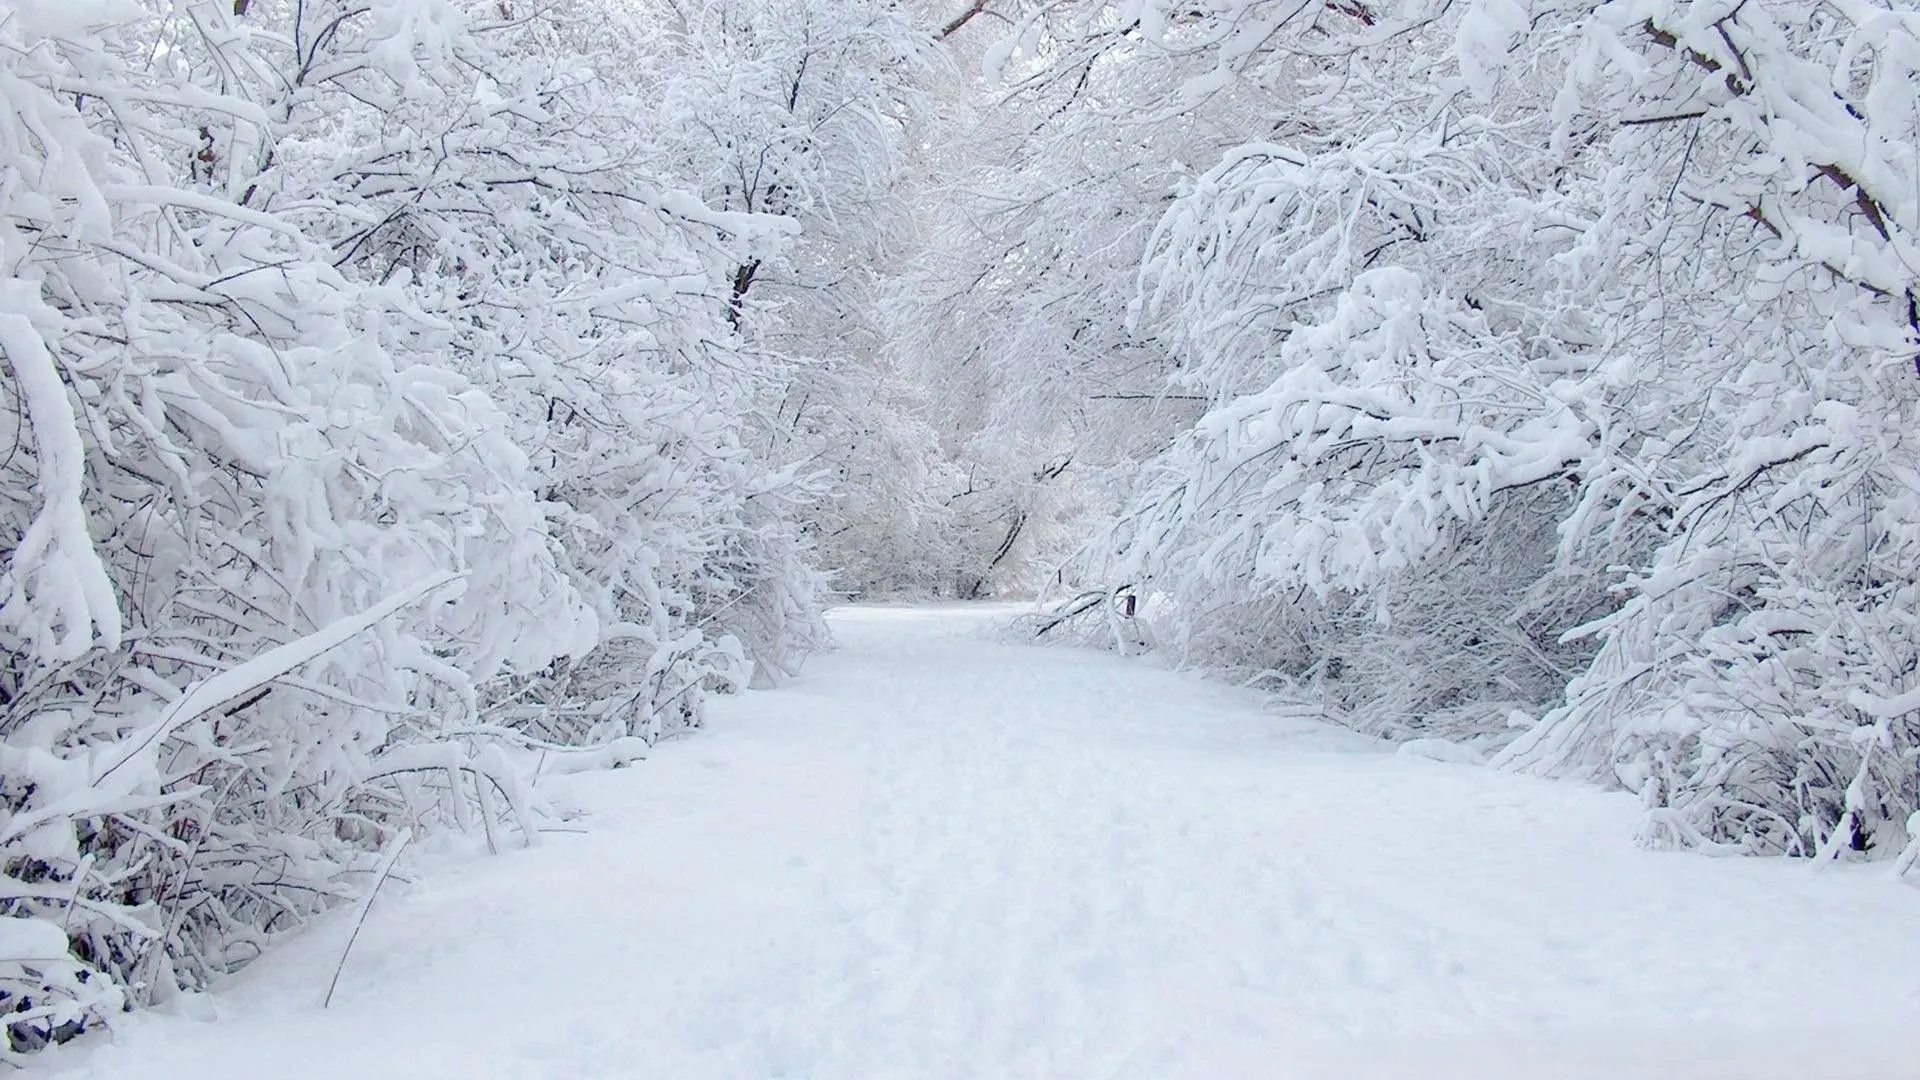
(380, 872)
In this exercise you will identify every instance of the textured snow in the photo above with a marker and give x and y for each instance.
(53, 590)
(937, 855)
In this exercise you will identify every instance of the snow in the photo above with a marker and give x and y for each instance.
(243, 678)
(936, 854)
(53, 590)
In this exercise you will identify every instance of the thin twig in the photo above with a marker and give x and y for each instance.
(366, 904)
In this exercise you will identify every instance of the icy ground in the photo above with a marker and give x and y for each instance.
(937, 856)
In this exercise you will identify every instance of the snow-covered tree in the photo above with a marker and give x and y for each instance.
(807, 110)
(1036, 204)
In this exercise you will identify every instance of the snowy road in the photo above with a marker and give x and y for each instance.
(936, 856)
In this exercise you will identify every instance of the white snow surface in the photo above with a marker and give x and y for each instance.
(938, 855)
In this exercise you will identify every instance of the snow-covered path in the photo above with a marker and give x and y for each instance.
(938, 856)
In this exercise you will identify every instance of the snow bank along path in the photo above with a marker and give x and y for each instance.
(939, 856)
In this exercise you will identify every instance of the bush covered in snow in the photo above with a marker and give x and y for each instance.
(376, 419)
(1559, 366)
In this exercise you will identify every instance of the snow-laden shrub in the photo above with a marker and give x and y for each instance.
(373, 418)
(1755, 685)
(267, 546)
(1383, 514)
(1560, 369)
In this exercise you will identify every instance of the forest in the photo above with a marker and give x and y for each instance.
(402, 400)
